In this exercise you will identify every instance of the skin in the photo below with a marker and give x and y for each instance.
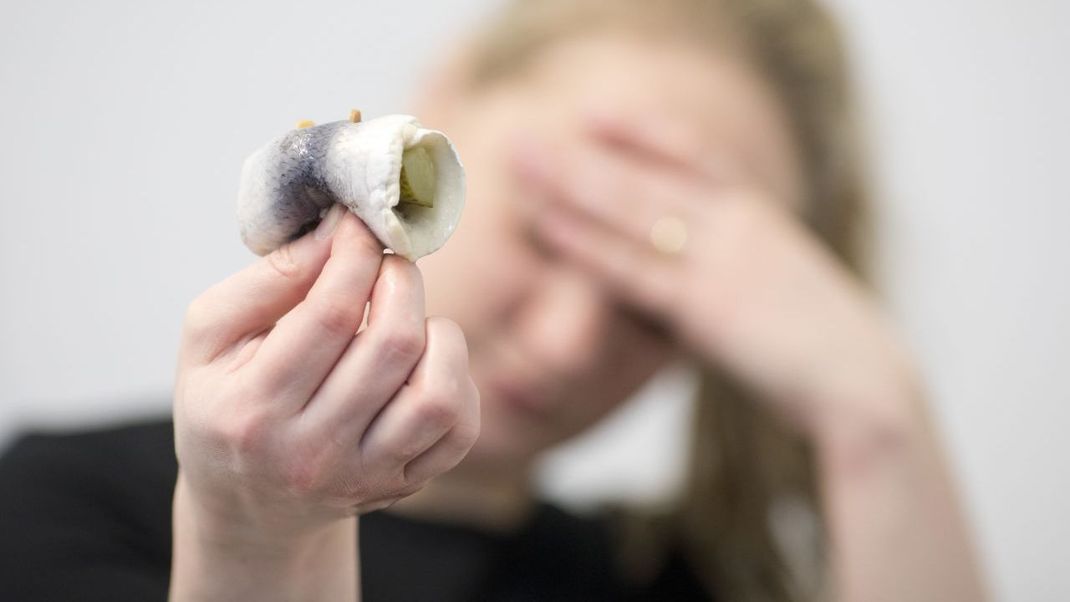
(571, 312)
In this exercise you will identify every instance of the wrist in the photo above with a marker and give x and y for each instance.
(868, 386)
(855, 429)
(216, 557)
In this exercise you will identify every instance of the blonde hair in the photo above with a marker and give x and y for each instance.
(743, 461)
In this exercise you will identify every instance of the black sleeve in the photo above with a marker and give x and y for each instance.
(87, 516)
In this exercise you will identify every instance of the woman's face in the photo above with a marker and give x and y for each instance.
(551, 350)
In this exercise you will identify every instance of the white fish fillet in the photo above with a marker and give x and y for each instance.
(288, 185)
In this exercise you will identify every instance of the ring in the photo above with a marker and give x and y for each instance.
(668, 235)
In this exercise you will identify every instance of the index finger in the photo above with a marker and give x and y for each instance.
(667, 141)
(306, 343)
(254, 299)
(604, 186)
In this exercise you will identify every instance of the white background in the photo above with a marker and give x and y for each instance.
(124, 124)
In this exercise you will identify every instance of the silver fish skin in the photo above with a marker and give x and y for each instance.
(288, 184)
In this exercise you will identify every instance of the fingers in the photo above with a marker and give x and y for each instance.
(255, 298)
(628, 268)
(440, 404)
(666, 141)
(305, 344)
(603, 187)
(379, 359)
(601, 211)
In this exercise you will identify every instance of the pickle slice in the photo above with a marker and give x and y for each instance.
(417, 178)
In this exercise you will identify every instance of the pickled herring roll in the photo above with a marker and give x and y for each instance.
(404, 181)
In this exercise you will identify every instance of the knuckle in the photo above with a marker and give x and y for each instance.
(339, 317)
(282, 260)
(249, 436)
(437, 410)
(299, 477)
(303, 474)
(243, 436)
(198, 317)
(465, 435)
(402, 345)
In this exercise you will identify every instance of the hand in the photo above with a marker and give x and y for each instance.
(754, 292)
(286, 419)
(751, 289)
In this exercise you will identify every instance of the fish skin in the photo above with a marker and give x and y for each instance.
(301, 191)
(288, 184)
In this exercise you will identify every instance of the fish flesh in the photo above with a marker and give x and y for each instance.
(404, 181)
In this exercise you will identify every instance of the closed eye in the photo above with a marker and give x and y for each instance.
(536, 243)
(646, 323)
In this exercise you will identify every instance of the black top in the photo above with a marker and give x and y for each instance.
(87, 516)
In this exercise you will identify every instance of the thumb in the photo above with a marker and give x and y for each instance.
(254, 299)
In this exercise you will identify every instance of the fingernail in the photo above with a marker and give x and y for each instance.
(330, 222)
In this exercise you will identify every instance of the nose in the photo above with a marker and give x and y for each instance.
(564, 322)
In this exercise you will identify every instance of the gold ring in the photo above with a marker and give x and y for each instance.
(668, 235)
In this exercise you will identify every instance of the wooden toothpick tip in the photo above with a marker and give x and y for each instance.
(354, 115)
(305, 123)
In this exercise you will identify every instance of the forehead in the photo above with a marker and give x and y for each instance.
(713, 91)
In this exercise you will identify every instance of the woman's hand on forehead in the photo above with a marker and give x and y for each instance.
(690, 235)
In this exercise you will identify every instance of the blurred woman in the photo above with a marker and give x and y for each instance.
(648, 182)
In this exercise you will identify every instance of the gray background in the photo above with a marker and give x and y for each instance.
(124, 124)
